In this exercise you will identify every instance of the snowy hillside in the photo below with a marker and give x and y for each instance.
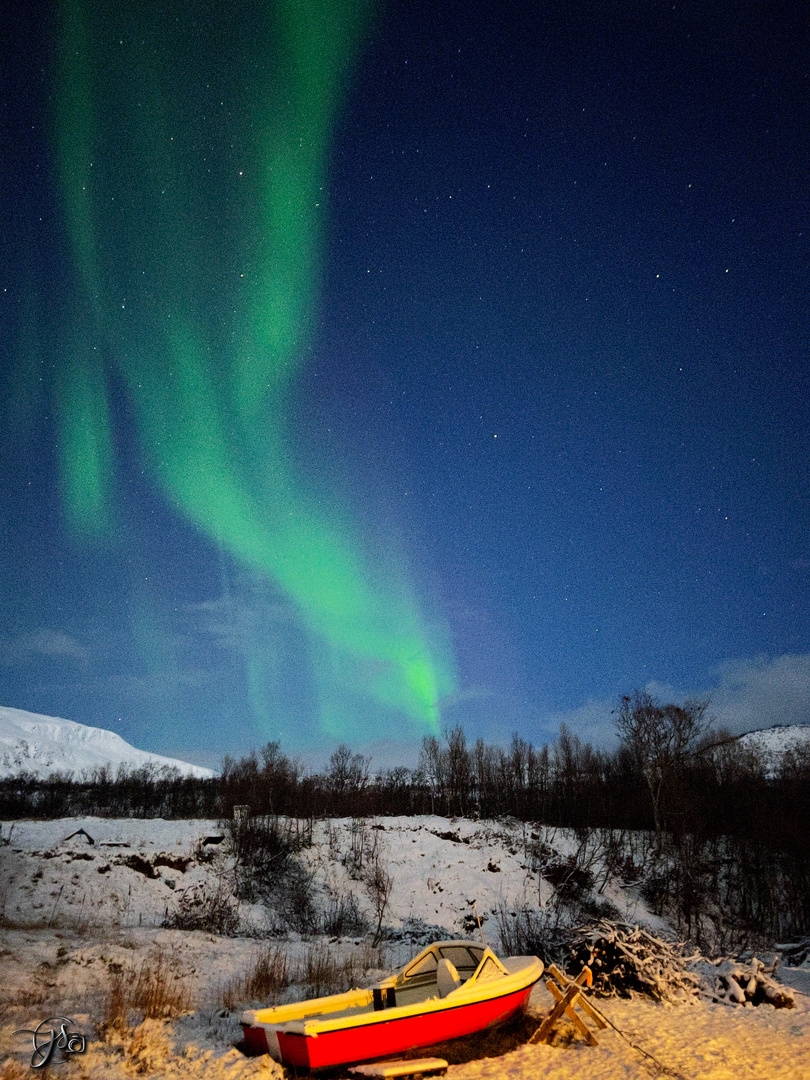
(46, 744)
(776, 741)
(141, 872)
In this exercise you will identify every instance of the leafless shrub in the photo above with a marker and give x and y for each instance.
(365, 862)
(364, 847)
(343, 918)
(264, 850)
(267, 871)
(205, 907)
(543, 932)
(546, 930)
(294, 900)
(379, 884)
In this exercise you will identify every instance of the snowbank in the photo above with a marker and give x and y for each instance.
(83, 901)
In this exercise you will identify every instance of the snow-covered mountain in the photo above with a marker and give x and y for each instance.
(46, 744)
(774, 742)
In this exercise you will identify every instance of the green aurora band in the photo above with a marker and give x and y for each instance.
(192, 144)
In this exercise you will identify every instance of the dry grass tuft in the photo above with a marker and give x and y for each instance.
(265, 981)
(323, 971)
(328, 971)
(159, 991)
(156, 992)
(149, 1048)
(116, 1006)
(13, 1070)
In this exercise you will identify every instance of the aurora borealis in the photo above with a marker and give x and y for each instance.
(368, 369)
(197, 242)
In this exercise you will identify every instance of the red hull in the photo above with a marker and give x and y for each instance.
(254, 1040)
(390, 1036)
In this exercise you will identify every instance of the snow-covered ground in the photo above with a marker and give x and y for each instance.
(82, 903)
(134, 872)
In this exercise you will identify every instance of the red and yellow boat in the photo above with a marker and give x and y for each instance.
(451, 989)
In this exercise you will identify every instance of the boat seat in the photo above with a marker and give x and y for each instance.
(447, 978)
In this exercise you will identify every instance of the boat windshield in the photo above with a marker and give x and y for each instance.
(464, 956)
(422, 965)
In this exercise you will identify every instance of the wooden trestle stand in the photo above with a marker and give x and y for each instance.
(568, 995)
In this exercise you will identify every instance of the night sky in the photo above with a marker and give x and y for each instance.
(369, 372)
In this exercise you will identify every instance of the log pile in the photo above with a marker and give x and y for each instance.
(626, 960)
(731, 982)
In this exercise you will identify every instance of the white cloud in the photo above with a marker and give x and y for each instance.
(763, 691)
(591, 723)
(745, 695)
(36, 644)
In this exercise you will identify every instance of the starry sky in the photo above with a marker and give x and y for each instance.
(369, 371)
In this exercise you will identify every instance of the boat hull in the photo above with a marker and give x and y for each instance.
(386, 1034)
(430, 1001)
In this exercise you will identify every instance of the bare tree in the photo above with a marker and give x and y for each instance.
(433, 763)
(346, 775)
(659, 738)
(459, 770)
(484, 771)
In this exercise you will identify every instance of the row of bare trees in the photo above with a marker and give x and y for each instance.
(669, 774)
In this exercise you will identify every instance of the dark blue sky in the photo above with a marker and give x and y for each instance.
(560, 369)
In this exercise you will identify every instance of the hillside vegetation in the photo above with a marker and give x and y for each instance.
(716, 837)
